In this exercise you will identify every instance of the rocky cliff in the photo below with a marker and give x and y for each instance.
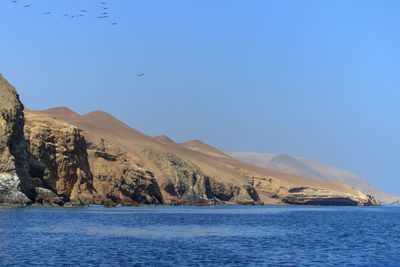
(61, 152)
(86, 169)
(15, 182)
(184, 181)
(272, 188)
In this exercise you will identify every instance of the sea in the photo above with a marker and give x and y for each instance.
(200, 236)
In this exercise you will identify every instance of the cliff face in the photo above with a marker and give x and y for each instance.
(62, 153)
(117, 178)
(15, 182)
(184, 181)
(84, 169)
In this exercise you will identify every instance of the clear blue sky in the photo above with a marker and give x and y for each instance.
(317, 79)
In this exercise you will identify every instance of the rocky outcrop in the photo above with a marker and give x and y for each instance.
(84, 169)
(304, 195)
(62, 152)
(187, 182)
(47, 197)
(182, 179)
(323, 197)
(243, 194)
(15, 183)
(117, 178)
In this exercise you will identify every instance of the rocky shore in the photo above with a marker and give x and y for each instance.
(60, 158)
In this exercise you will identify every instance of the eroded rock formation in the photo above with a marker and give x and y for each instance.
(186, 182)
(62, 153)
(15, 182)
(84, 169)
(117, 178)
(304, 195)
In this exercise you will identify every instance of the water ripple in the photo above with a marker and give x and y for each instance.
(200, 236)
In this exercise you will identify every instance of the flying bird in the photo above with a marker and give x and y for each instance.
(47, 13)
(140, 75)
(27, 5)
(114, 23)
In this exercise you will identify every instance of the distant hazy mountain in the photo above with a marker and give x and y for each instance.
(309, 168)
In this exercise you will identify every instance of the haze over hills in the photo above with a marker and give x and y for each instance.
(309, 168)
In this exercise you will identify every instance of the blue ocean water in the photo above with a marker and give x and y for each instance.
(200, 236)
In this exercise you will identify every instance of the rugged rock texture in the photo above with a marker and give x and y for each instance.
(243, 194)
(15, 182)
(62, 151)
(117, 178)
(47, 197)
(185, 181)
(85, 169)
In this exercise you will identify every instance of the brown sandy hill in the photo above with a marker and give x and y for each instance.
(62, 112)
(199, 146)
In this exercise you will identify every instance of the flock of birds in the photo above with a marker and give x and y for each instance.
(104, 12)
